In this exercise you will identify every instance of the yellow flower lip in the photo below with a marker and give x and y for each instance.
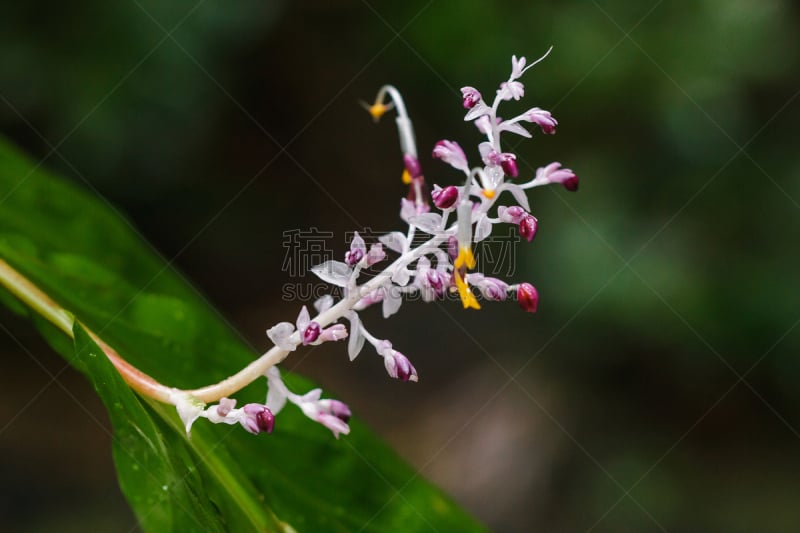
(488, 193)
(467, 298)
(465, 258)
(406, 177)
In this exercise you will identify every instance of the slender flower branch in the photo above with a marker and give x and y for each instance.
(275, 355)
(42, 304)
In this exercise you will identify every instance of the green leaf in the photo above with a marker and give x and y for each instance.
(85, 256)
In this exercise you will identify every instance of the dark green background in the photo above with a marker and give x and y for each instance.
(668, 277)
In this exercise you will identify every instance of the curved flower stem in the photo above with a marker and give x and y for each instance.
(404, 128)
(41, 303)
(146, 385)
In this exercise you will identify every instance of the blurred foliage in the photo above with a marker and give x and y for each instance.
(672, 270)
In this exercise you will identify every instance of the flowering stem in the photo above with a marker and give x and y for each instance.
(146, 385)
(275, 355)
(41, 303)
(370, 337)
(404, 128)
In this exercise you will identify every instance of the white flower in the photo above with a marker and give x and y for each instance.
(333, 272)
(189, 408)
(281, 335)
(511, 90)
(332, 414)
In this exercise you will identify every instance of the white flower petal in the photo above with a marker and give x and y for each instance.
(483, 124)
(358, 243)
(483, 228)
(335, 424)
(401, 276)
(356, 342)
(189, 409)
(394, 241)
(519, 195)
(276, 399)
(303, 318)
(514, 128)
(479, 110)
(407, 209)
(280, 333)
(427, 222)
(333, 272)
(491, 177)
(324, 303)
(442, 259)
(517, 66)
(311, 397)
(391, 301)
(486, 149)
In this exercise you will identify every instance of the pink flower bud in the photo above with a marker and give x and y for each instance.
(311, 333)
(445, 198)
(375, 254)
(225, 406)
(412, 165)
(257, 419)
(336, 332)
(398, 366)
(351, 257)
(528, 226)
(368, 299)
(491, 288)
(452, 247)
(571, 184)
(357, 250)
(528, 297)
(512, 215)
(508, 162)
(435, 280)
(336, 408)
(451, 153)
(553, 173)
(543, 119)
(471, 97)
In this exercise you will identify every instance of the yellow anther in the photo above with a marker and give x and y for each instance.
(377, 110)
(406, 177)
(465, 258)
(467, 298)
(489, 193)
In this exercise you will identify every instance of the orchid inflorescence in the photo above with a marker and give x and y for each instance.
(442, 264)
